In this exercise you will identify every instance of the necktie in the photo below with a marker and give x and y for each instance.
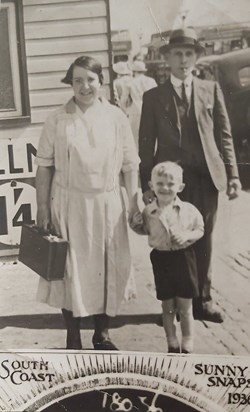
(183, 95)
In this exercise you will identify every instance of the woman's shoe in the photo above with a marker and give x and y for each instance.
(105, 344)
(73, 340)
(73, 330)
(173, 350)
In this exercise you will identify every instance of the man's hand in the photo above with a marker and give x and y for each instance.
(233, 188)
(148, 197)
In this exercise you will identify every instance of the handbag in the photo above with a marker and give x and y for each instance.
(44, 254)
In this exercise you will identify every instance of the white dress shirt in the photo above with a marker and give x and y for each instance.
(177, 84)
(160, 224)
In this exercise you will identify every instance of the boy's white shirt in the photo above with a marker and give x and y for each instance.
(160, 223)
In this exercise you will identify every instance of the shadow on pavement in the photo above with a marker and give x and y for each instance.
(55, 321)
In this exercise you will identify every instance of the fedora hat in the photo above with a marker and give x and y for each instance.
(138, 66)
(121, 68)
(182, 38)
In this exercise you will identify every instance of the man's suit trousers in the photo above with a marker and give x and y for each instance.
(201, 192)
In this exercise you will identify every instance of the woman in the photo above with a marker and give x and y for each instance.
(138, 85)
(83, 148)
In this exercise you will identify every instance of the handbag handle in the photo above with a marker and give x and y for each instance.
(41, 231)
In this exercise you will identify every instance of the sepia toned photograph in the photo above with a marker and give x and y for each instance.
(96, 381)
(125, 180)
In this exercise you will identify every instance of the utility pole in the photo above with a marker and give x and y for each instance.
(183, 15)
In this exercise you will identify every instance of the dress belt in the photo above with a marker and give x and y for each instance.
(113, 188)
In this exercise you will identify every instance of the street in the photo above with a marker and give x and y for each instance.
(26, 323)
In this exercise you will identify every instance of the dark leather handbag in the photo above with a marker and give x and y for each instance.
(44, 254)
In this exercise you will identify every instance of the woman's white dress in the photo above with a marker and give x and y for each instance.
(88, 151)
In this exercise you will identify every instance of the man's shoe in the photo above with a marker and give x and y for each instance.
(210, 315)
(105, 344)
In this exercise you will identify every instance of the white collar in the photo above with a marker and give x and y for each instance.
(153, 207)
(178, 82)
(71, 107)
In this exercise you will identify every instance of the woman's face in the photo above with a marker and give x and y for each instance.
(86, 85)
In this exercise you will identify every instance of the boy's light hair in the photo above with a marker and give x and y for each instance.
(167, 169)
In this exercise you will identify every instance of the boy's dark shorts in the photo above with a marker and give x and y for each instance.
(175, 273)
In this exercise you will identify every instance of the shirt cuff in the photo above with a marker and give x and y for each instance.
(40, 161)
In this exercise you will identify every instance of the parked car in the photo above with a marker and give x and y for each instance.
(232, 71)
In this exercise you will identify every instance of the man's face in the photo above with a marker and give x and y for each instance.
(181, 61)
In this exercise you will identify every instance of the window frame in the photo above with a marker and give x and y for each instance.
(240, 70)
(23, 89)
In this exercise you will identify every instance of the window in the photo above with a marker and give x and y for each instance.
(244, 76)
(14, 95)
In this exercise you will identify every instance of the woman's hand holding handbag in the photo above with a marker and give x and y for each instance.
(44, 253)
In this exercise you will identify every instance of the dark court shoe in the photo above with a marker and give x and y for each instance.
(210, 315)
(186, 352)
(74, 339)
(74, 344)
(173, 350)
(105, 344)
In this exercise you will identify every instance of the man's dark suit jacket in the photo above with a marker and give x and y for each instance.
(160, 124)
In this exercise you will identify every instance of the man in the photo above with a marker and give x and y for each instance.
(185, 120)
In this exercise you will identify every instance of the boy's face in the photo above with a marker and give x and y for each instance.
(166, 187)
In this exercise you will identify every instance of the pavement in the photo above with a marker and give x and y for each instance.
(27, 324)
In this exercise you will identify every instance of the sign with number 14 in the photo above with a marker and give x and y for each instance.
(17, 206)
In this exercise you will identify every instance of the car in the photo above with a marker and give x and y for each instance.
(232, 71)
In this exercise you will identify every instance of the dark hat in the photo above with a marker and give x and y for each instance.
(182, 38)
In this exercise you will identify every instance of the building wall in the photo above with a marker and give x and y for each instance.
(56, 33)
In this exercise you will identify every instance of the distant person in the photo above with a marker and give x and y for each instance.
(138, 57)
(121, 82)
(137, 86)
(172, 227)
(185, 120)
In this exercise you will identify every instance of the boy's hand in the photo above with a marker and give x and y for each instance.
(180, 238)
(137, 219)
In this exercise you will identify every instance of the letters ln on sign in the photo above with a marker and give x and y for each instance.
(17, 191)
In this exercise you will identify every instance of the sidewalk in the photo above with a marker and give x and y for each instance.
(25, 323)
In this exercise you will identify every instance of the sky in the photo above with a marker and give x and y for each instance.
(144, 17)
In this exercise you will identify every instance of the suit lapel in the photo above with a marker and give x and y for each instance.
(168, 102)
(199, 91)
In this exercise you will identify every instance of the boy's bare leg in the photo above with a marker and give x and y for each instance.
(168, 316)
(184, 308)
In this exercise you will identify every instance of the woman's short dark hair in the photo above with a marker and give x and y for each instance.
(86, 62)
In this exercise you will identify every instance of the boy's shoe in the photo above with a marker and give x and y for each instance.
(105, 344)
(173, 350)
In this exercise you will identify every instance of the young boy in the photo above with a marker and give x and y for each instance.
(172, 227)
